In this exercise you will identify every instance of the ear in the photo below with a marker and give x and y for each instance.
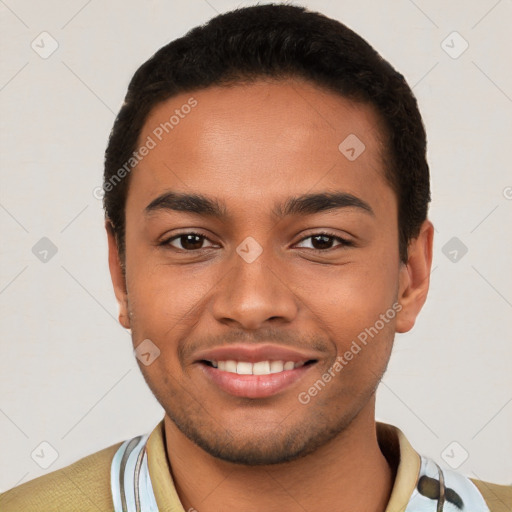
(414, 279)
(116, 274)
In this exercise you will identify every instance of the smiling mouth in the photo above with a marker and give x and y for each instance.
(258, 368)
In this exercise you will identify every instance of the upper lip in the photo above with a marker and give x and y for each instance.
(255, 353)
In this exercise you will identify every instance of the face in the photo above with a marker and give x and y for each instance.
(255, 290)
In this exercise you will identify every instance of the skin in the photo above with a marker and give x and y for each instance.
(251, 146)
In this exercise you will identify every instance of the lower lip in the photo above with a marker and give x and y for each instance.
(254, 386)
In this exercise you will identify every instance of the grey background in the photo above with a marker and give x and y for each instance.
(67, 373)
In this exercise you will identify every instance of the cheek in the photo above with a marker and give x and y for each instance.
(162, 300)
(346, 298)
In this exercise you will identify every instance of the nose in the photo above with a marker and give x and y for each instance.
(255, 293)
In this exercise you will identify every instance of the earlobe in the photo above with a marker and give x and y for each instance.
(414, 278)
(117, 276)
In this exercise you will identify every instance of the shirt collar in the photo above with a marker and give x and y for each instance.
(400, 454)
(392, 442)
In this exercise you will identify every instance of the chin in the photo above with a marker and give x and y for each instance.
(256, 448)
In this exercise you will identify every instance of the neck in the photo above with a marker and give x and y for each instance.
(350, 473)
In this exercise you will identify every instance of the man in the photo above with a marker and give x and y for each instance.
(266, 196)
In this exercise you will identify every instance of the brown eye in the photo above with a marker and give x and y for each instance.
(187, 241)
(324, 241)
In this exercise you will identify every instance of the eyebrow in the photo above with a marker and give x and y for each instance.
(306, 204)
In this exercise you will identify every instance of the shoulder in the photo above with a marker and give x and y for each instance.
(497, 497)
(81, 486)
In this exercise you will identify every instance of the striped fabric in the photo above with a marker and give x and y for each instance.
(129, 478)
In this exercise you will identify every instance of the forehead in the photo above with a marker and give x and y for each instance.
(260, 140)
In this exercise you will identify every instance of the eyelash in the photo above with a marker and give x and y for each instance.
(343, 241)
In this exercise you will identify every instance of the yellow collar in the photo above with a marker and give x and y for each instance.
(393, 443)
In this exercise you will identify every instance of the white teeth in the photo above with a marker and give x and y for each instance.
(243, 368)
(276, 366)
(259, 368)
(230, 366)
